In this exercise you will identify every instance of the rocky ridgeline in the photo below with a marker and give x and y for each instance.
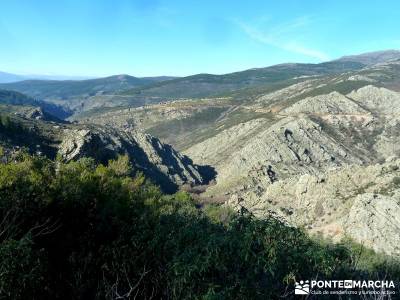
(33, 130)
(160, 162)
(326, 162)
(378, 100)
(332, 103)
(361, 202)
(294, 90)
(290, 146)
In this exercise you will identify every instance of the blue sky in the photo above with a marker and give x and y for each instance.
(157, 37)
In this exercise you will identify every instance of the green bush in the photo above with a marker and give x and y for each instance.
(84, 231)
(22, 270)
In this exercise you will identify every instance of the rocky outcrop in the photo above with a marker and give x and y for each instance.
(328, 163)
(333, 103)
(37, 114)
(160, 162)
(294, 90)
(374, 221)
(290, 146)
(320, 152)
(216, 150)
(378, 100)
(360, 202)
(33, 113)
(386, 144)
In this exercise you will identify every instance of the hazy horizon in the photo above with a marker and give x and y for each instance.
(85, 77)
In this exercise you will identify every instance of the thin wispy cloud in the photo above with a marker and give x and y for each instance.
(278, 36)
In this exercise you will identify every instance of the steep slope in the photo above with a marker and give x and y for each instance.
(290, 146)
(360, 202)
(160, 162)
(378, 100)
(332, 103)
(314, 173)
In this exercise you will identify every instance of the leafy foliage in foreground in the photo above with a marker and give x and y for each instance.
(81, 231)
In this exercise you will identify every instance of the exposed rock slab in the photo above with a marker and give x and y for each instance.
(374, 221)
(332, 103)
(158, 161)
(379, 100)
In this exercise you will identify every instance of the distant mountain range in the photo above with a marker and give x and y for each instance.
(365, 58)
(125, 90)
(64, 89)
(9, 77)
(373, 58)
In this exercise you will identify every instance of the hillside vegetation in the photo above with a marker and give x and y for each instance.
(66, 89)
(124, 90)
(104, 232)
(292, 173)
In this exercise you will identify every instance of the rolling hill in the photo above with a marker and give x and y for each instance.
(67, 89)
(128, 91)
(19, 99)
(124, 90)
(206, 85)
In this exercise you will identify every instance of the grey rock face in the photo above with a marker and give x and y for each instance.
(36, 114)
(379, 100)
(333, 103)
(327, 162)
(316, 151)
(288, 92)
(160, 162)
(290, 146)
(360, 202)
(374, 221)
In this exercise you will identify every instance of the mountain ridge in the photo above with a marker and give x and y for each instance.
(371, 58)
(125, 90)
